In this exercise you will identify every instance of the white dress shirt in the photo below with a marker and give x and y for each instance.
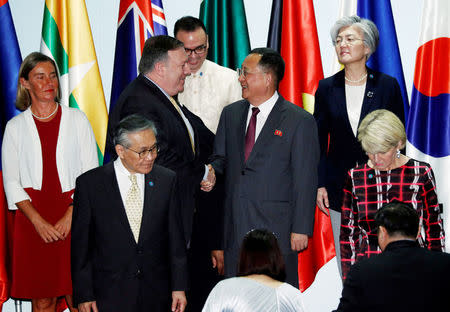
(209, 90)
(264, 111)
(122, 175)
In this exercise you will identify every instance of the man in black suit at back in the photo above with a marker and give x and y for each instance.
(404, 277)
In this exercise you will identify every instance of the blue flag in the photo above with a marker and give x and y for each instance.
(10, 60)
(386, 58)
(138, 21)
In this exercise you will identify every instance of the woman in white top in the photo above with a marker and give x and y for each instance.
(259, 285)
(45, 148)
(341, 102)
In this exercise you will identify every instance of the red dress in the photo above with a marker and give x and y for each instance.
(39, 269)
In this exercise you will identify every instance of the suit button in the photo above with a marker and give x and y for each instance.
(138, 274)
(140, 251)
(243, 172)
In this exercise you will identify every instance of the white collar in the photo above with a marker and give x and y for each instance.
(266, 107)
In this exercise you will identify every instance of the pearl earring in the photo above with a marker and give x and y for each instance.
(398, 153)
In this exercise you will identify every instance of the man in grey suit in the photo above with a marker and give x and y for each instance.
(268, 150)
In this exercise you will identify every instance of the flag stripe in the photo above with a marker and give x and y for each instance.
(138, 20)
(66, 36)
(386, 58)
(50, 35)
(428, 127)
(226, 25)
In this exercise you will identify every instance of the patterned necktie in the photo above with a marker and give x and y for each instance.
(174, 103)
(250, 135)
(134, 207)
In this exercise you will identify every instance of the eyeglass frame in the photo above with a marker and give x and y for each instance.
(152, 150)
(243, 72)
(195, 50)
(349, 40)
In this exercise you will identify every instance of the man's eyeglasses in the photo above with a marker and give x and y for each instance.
(349, 40)
(245, 73)
(152, 150)
(198, 50)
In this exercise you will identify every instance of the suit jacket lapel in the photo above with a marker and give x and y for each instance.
(150, 182)
(268, 130)
(169, 106)
(340, 96)
(369, 95)
(115, 199)
(156, 90)
(188, 114)
(242, 115)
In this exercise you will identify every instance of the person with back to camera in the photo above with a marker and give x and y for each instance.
(260, 283)
(45, 148)
(404, 277)
(388, 175)
(341, 102)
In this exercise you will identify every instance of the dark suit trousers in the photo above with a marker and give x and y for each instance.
(206, 235)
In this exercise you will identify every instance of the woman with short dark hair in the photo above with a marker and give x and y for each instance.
(260, 283)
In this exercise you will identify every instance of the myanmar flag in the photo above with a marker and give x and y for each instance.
(67, 38)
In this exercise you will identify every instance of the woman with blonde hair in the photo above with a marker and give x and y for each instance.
(45, 148)
(387, 176)
(341, 103)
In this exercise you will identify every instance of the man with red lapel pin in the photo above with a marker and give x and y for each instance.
(268, 150)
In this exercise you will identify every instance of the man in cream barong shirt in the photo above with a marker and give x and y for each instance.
(208, 89)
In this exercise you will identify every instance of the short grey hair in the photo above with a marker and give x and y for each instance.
(380, 131)
(131, 124)
(367, 27)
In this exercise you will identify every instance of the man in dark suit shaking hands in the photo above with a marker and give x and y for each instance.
(268, 150)
(182, 135)
(128, 250)
(404, 277)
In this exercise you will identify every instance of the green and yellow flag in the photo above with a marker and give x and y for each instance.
(67, 38)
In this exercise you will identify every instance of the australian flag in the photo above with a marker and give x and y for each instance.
(138, 21)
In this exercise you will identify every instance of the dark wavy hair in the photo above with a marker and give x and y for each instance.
(260, 254)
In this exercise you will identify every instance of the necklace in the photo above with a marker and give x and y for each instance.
(46, 117)
(356, 81)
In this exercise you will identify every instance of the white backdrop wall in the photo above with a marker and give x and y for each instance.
(27, 16)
